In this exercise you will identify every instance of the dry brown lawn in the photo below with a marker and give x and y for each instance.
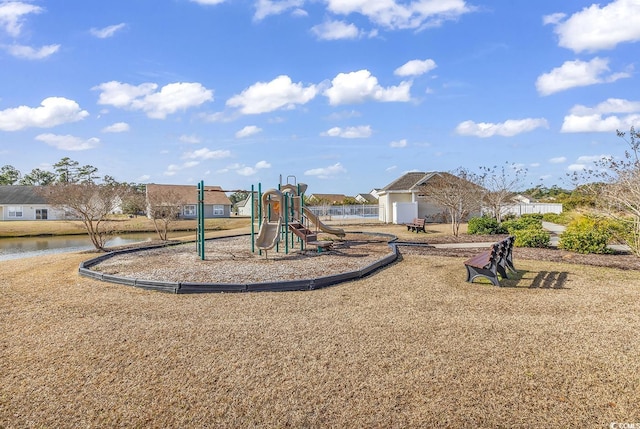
(413, 345)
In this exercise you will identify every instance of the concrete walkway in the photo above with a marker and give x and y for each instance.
(554, 230)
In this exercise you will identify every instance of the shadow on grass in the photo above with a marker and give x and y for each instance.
(536, 279)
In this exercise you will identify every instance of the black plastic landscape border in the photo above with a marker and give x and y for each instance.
(276, 286)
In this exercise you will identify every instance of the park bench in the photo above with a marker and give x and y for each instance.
(492, 262)
(417, 225)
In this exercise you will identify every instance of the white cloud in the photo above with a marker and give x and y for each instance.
(577, 73)
(326, 172)
(51, 112)
(190, 139)
(156, 104)
(611, 105)
(415, 67)
(608, 116)
(247, 131)
(554, 18)
(596, 28)
(361, 86)
(508, 128)
(592, 158)
(594, 123)
(361, 131)
(394, 15)
(12, 14)
(30, 53)
(245, 170)
(558, 160)
(265, 8)
(392, 168)
(576, 167)
(280, 93)
(399, 143)
(173, 169)
(106, 32)
(118, 127)
(206, 153)
(335, 30)
(68, 142)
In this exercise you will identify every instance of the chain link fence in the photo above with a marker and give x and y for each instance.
(333, 212)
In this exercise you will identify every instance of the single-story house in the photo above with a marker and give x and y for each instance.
(326, 198)
(18, 202)
(366, 199)
(401, 200)
(216, 202)
(244, 207)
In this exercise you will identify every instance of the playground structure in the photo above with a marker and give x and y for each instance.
(283, 218)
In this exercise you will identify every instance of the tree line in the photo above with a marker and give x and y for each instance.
(64, 171)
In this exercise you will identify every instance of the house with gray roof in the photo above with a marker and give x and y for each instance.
(401, 200)
(26, 203)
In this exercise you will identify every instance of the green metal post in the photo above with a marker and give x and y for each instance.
(286, 224)
(200, 228)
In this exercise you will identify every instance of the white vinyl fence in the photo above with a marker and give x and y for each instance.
(542, 208)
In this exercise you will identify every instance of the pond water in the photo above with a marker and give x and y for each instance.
(25, 247)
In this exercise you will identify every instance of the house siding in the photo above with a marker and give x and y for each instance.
(28, 200)
(406, 189)
(213, 195)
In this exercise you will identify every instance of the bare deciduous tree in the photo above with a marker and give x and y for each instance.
(618, 189)
(163, 207)
(500, 185)
(457, 192)
(90, 202)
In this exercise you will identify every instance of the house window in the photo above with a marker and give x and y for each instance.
(42, 214)
(15, 211)
(218, 210)
(190, 210)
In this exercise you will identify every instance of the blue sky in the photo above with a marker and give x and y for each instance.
(344, 95)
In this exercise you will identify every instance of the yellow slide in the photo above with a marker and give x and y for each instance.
(324, 228)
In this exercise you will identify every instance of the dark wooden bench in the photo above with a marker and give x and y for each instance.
(417, 225)
(492, 262)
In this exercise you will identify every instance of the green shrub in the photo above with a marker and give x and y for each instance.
(563, 218)
(587, 235)
(485, 225)
(532, 237)
(552, 217)
(528, 231)
(523, 222)
(536, 216)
